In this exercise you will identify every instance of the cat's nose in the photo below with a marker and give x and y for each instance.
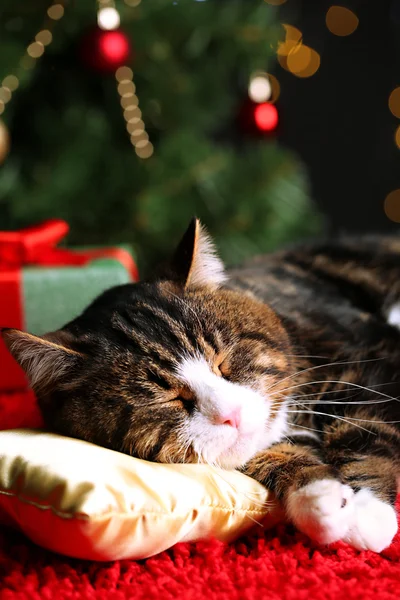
(231, 417)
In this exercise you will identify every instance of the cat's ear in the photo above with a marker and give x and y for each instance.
(44, 359)
(195, 262)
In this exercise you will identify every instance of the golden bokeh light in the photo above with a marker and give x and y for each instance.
(11, 82)
(299, 59)
(397, 137)
(126, 86)
(292, 33)
(132, 111)
(131, 126)
(392, 206)
(140, 138)
(291, 44)
(132, 114)
(45, 37)
(129, 102)
(394, 102)
(56, 12)
(305, 62)
(35, 50)
(2, 107)
(139, 133)
(276, 88)
(341, 21)
(5, 95)
(4, 141)
(144, 151)
(123, 74)
(132, 3)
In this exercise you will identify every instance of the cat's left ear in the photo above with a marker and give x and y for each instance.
(195, 262)
(44, 359)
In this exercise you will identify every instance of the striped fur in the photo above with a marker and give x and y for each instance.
(288, 369)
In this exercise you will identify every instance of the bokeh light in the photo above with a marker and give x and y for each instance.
(5, 94)
(260, 88)
(44, 37)
(144, 149)
(341, 21)
(304, 62)
(394, 102)
(11, 82)
(124, 74)
(397, 137)
(108, 18)
(35, 50)
(56, 11)
(392, 206)
(266, 116)
(114, 46)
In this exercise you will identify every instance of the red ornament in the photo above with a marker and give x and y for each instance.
(258, 119)
(105, 51)
(266, 116)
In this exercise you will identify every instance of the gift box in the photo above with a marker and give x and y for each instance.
(42, 286)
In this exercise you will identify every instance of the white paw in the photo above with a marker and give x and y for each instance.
(323, 509)
(375, 523)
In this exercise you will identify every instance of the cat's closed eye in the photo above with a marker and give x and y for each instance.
(222, 368)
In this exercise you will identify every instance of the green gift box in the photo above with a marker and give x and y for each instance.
(42, 287)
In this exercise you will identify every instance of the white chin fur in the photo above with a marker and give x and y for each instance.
(224, 445)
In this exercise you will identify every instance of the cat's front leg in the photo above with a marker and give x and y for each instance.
(314, 498)
(368, 461)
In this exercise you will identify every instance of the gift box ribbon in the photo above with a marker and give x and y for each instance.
(37, 246)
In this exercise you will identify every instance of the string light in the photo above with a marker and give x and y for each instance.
(341, 21)
(132, 113)
(34, 51)
(392, 206)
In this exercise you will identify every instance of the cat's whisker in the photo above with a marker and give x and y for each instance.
(362, 403)
(356, 385)
(308, 428)
(346, 420)
(330, 364)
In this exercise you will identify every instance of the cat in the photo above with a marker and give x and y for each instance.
(286, 368)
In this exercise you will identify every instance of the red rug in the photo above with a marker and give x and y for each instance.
(275, 565)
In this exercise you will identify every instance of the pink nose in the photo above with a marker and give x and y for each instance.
(231, 418)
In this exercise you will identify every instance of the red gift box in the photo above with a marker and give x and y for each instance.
(37, 246)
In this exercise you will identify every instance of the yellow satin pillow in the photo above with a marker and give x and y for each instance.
(88, 502)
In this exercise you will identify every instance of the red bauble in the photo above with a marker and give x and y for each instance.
(105, 51)
(259, 118)
(266, 116)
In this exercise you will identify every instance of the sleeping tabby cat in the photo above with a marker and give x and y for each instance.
(286, 368)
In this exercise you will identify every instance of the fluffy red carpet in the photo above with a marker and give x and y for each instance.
(277, 565)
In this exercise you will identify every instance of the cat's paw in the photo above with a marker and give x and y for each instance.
(322, 509)
(374, 525)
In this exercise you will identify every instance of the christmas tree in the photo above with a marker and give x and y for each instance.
(128, 130)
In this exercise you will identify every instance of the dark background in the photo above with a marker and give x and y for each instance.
(338, 120)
